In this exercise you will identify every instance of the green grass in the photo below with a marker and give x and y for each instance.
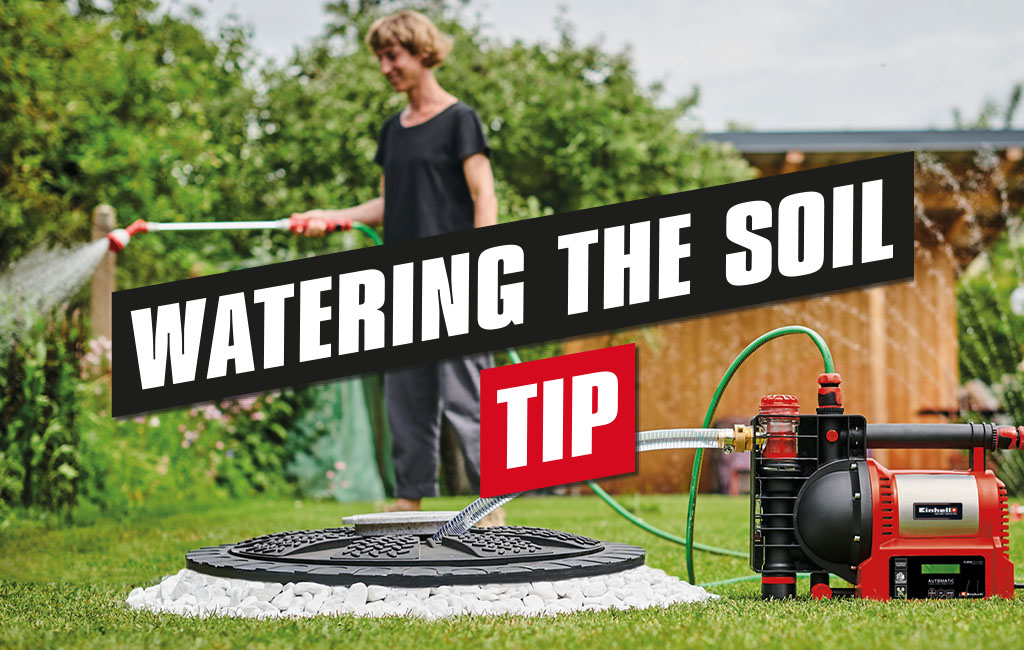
(65, 587)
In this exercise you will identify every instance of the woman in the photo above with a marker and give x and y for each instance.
(436, 179)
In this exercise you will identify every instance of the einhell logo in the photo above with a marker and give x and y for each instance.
(938, 511)
(560, 420)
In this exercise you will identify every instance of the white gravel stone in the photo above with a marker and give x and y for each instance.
(420, 594)
(515, 592)
(357, 595)
(317, 602)
(250, 600)
(282, 601)
(607, 600)
(576, 596)
(376, 592)
(437, 605)
(188, 593)
(595, 589)
(313, 588)
(533, 602)
(545, 590)
(137, 598)
(202, 595)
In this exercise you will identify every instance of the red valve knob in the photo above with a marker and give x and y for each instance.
(821, 591)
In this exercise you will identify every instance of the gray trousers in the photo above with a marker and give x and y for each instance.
(418, 399)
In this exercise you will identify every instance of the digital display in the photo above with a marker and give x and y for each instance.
(945, 569)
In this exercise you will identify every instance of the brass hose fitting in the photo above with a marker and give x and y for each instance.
(741, 438)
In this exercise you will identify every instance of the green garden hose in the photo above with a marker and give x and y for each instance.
(617, 507)
(687, 541)
(368, 231)
(513, 356)
(826, 357)
(729, 581)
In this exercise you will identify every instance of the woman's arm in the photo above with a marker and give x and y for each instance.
(480, 180)
(371, 213)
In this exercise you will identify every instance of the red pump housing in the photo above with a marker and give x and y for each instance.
(976, 526)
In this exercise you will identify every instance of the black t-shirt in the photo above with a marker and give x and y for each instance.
(425, 191)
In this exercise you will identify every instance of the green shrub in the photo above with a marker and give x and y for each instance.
(991, 345)
(59, 447)
(40, 463)
(234, 448)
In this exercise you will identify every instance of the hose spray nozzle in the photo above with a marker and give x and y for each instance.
(120, 237)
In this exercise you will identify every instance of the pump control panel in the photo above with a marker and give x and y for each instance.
(937, 576)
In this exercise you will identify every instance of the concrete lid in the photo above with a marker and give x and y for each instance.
(422, 522)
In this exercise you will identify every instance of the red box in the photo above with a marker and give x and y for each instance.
(559, 420)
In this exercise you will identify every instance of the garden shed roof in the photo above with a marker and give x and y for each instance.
(974, 185)
(766, 142)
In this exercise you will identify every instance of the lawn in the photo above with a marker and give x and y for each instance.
(65, 587)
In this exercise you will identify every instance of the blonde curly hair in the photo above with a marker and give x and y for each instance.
(413, 31)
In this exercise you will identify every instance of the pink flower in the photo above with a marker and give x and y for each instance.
(330, 474)
(219, 444)
(340, 465)
(181, 428)
(258, 416)
(247, 402)
(186, 443)
(140, 419)
(344, 484)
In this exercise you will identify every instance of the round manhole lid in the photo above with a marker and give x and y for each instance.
(341, 556)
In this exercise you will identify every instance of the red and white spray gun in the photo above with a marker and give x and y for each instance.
(298, 224)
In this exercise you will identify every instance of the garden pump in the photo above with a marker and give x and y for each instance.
(120, 237)
(820, 505)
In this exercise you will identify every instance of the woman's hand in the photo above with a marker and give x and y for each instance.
(316, 223)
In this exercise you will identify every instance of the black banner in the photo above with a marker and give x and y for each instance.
(594, 270)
